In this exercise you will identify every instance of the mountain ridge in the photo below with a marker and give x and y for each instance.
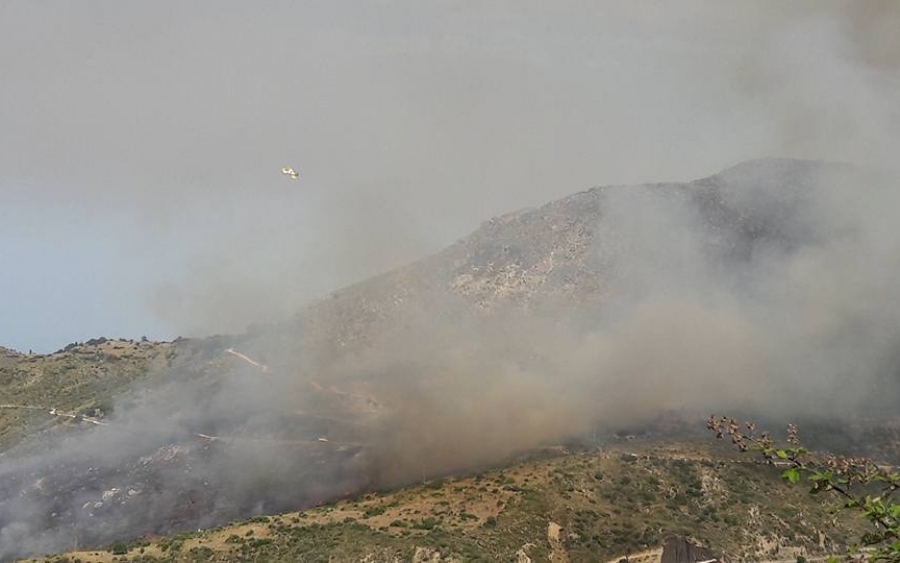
(521, 335)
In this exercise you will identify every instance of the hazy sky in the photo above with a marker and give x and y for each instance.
(141, 143)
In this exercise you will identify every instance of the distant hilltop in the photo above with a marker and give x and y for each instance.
(9, 352)
(8, 355)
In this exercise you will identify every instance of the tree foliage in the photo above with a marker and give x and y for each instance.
(862, 485)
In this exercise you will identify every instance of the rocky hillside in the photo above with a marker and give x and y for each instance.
(81, 379)
(594, 313)
(638, 499)
(565, 256)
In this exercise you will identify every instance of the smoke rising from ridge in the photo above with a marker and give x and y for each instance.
(767, 288)
(179, 118)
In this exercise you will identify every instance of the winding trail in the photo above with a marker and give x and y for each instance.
(320, 441)
(250, 361)
(53, 412)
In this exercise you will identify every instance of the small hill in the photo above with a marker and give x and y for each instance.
(81, 379)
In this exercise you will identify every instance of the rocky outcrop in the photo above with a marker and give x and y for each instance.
(683, 550)
(566, 256)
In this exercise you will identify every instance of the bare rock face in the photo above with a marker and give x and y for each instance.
(683, 550)
(567, 255)
(429, 555)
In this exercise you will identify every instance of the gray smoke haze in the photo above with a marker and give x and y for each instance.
(410, 122)
(765, 289)
(768, 288)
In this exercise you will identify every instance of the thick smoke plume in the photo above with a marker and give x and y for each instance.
(167, 125)
(767, 288)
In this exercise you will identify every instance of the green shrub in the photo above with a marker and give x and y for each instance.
(120, 548)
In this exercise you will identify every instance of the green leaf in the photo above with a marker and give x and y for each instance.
(781, 454)
(819, 476)
(792, 475)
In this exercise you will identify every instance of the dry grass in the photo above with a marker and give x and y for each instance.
(598, 505)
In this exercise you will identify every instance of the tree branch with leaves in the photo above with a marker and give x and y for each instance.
(862, 484)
